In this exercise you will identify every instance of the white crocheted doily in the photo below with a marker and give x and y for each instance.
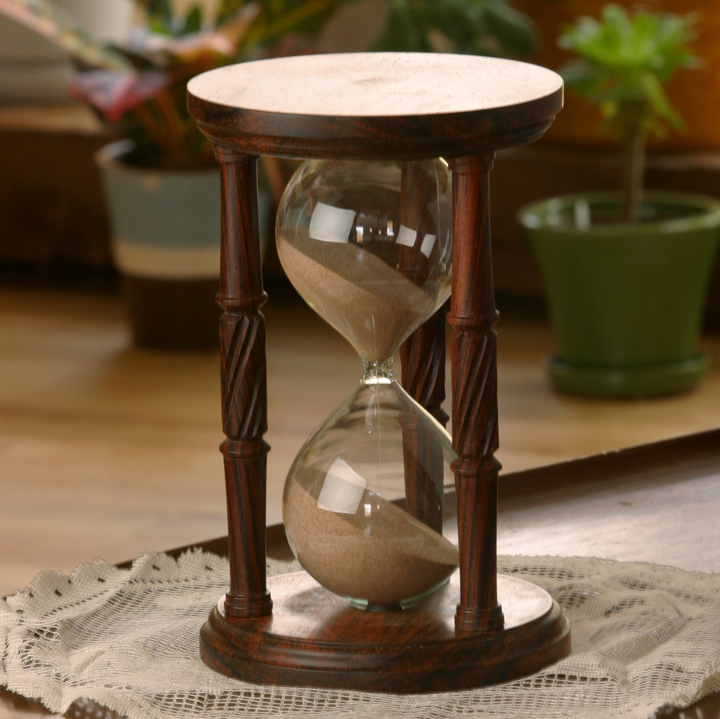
(643, 636)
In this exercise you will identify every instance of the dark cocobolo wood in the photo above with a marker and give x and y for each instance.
(423, 365)
(662, 468)
(422, 356)
(474, 378)
(315, 638)
(423, 378)
(400, 106)
(376, 105)
(244, 393)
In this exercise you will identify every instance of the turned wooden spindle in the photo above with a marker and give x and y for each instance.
(244, 394)
(474, 402)
(423, 365)
(423, 353)
(417, 191)
(423, 378)
(422, 356)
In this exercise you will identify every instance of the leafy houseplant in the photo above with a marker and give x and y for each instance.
(138, 89)
(473, 27)
(626, 273)
(622, 66)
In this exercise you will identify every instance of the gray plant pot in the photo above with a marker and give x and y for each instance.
(166, 245)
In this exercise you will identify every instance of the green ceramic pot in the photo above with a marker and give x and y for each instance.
(626, 301)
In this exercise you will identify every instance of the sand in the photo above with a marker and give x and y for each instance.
(373, 305)
(386, 560)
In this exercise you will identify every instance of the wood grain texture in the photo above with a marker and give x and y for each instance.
(377, 84)
(422, 356)
(418, 189)
(392, 109)
(316, 639)
(423, 378)
(474, 380)
(423, 365)
(582, 489)
(114, 449)
(659, 467)
(244, 392)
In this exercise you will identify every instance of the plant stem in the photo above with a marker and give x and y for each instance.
(633, 172)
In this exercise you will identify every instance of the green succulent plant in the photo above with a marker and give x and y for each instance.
(623, 63)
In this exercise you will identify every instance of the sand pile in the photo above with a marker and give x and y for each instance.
(380, 553)
(374, 306)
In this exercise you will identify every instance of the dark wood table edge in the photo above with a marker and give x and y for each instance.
(685, 453)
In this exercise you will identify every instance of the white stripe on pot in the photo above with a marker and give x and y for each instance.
(166, 263)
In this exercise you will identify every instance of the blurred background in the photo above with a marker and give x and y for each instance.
(109, 258)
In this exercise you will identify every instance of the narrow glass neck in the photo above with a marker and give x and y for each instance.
(378, 372)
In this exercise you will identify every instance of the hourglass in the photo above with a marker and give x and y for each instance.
(392, 520)
(369, 246)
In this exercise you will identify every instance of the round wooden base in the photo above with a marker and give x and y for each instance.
(316, 639)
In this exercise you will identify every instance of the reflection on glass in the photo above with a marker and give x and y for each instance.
(369, 247)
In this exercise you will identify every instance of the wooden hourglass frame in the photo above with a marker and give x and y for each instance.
(482, 627)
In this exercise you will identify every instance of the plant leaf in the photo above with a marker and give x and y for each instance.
(623, 62)
(659, 101)
(55, 25)
(516, 32)
(157, 11)
(193, 20)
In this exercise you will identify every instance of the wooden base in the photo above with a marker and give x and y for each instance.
(316, 639)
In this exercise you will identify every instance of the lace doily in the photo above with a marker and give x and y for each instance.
(643, 636)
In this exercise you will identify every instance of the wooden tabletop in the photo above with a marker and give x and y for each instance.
(375, 104)
(672, 485)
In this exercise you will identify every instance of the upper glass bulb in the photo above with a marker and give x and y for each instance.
(368, 245)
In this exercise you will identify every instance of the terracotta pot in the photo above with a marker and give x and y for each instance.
(695, 93)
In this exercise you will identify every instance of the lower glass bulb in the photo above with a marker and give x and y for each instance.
(364, 505)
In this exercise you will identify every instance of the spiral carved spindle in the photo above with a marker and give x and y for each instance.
(474, 379)
(423, 358)
(244, 394)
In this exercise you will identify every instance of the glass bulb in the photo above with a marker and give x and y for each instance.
(369, 247)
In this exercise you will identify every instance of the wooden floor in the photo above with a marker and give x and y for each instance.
(110, 451)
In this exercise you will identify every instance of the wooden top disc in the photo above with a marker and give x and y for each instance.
(375, 84)
(397, 105)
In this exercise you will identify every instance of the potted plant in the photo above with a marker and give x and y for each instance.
(157, 177)
(161, 180)
(626, 273)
